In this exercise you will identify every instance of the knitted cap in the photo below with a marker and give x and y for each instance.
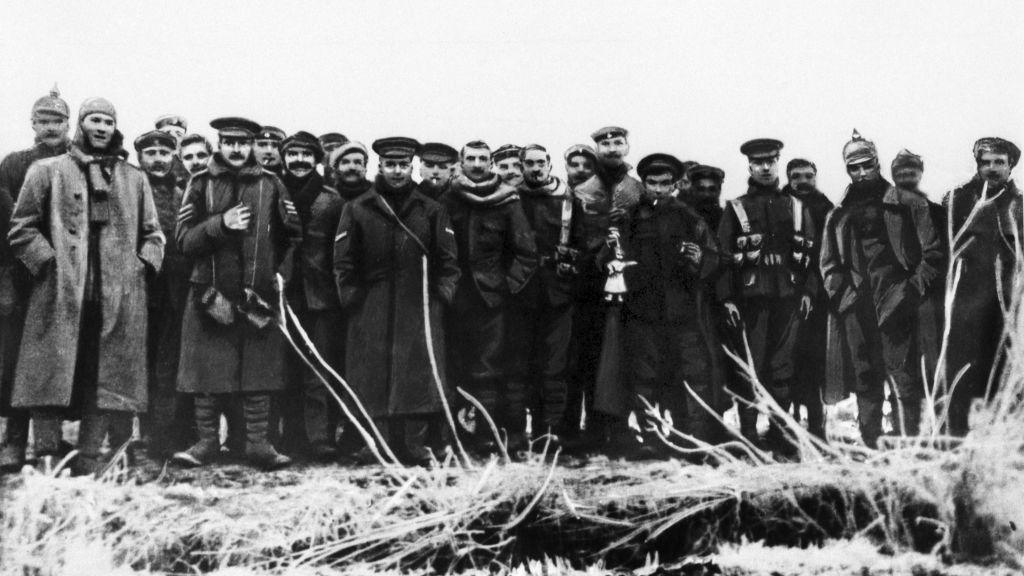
(96, 105)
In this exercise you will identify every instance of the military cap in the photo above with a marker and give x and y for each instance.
(271, 133)
(333, 138)
(505, 151)
(761, 148)
(701, 171)
(659, 162)
(608, 132)
(346, 149)
(171, 120)
(995, 145)
(235, 126)
(302, 139)
(96, 106)
(907, 159)
(396, 147)
(859, 149)
(437, 152)
(155, 138)
(578, 149)
(52, 103)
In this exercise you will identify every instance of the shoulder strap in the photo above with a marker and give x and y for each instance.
(209, 208)
(798, 214)
(741, 214)
(563, 235)
(394, 215)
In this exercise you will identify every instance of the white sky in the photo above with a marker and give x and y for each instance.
(693, 78)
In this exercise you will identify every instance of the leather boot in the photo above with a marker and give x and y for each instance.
(207, 447)
(908, 417)
(46, 425)
(91, 433)
(258, 450)
(12, 453)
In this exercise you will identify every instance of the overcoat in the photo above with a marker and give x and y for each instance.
(218, 358)
(49, 234)
(915, 242)
(378, 266)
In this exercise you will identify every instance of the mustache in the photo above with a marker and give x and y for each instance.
(300, 165)
(236, 156)
(159, 167)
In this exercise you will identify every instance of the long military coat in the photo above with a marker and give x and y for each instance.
(218, 359)
(378, 266)
(49, 235)
(915, 242)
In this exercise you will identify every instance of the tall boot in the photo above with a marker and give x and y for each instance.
(869, 417)
(511, 415)
(258, 449)
(207, 446)
(12, 452)
(121, 428)
(91, 434)
(46, 425)
(748, 423)
(908, 417)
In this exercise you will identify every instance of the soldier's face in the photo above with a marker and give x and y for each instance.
(706, 188)
(435, 174)
(863, 171)
(994, 168)
(660, 185)
(907, 177)
(510, 170)
(156, 160)
(268, 154)
(476, 162)
(351, 168)
(764, 169)
(684, 184)
(177, 131)
(299, 162)
(536, 167)
(396, 172)
(195, 157)
(235, 150)
(99, 129)
(579, 168)
(50, 129)
(804, 178)
(613, 151)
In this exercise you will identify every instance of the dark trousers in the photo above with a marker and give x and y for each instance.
(662, 359)
(476, 336)
(538, 339)
(169, 424)
(16, 432)
(976, 327)
(811, 349)
(308, 413)
(772, 326)
(886, 353)
(587, 336)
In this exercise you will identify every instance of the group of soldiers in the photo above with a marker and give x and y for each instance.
(563, 310)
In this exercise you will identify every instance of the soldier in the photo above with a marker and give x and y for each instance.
(766, 286)
(238, 224)
(604, 197)
(86, 228)
(437, 166)
(497, 256)
(540, 316)
(50, 124)
(393, 251)
(175, 126)
(984, 229)
(580, 160)
(880, 254)
(268, 149)
(703, 193)
(907, 170)
(684, 184)
(194, 152)
(168, 419)
(312, 294)
(348, 166)
(507, 166)
(802, 176)
(670, 338)
(330, 142)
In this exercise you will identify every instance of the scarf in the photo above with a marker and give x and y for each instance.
(99, 168)
(865, 192)
(395, 197)
(611, 174)
(303, 192)
(490, 192)
(553, 187)
(351, 191)
(755, 188)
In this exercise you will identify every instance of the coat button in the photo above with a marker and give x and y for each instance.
(78, 195)
(73, 231)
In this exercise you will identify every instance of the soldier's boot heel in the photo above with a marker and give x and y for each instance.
(207, 447)
(258, 449)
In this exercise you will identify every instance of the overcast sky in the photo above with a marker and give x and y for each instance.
(695, 79)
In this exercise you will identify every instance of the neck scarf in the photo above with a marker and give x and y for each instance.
(490, 192)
